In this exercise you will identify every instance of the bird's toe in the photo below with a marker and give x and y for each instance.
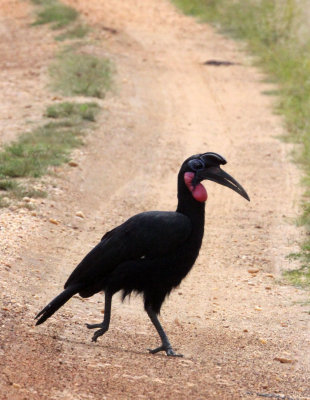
(98, 333)
(154, 351)
(171, 353)
(93, 326)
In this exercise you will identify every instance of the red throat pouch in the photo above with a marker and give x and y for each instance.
(199, 192)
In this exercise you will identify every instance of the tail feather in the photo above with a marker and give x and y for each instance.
(55, 304)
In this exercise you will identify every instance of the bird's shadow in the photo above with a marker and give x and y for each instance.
(108, 347)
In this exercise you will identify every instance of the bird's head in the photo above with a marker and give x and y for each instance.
(206, 166)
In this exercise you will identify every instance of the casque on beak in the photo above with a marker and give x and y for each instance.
(216, 174)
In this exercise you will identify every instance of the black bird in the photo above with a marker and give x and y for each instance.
(151, 252)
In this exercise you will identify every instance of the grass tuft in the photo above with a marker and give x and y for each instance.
(83, 111)
(77, 32)
(7, 184)
(43, 2)
(34, 152)
(55, 13)
(21, 191)
(81, 74)
(4, 202)
(298, 277)
(31, 155)
(272, 32)
(50, 144)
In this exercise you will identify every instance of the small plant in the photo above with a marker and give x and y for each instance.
(298, 277)
(49, 145)
(6, 184)
(34, 152)
(77, 32)
(18, 191)
(3, 202)
(60, 16)
(55, 13)
(81, 74)
(21, 191)
(43, 2)
(83, 111)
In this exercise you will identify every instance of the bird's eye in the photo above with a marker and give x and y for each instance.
(196, 164)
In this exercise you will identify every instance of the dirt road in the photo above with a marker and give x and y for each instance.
(231, 325)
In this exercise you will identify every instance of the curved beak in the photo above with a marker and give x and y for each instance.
(216, 174)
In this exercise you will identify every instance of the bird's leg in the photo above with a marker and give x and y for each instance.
(104, 326)
(166, 346)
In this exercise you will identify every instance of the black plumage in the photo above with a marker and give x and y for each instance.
(151, 252)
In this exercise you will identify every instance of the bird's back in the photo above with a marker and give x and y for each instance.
(150, 235)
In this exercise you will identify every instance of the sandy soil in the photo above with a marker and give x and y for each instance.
(23, 62)
(231, 325)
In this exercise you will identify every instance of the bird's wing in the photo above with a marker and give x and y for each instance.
(155, 233)
(150, 234)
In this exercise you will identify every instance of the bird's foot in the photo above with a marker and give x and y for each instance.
(93, 326)
(168, 349)
(98, 333)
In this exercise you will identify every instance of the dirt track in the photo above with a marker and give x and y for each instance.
(229, 324)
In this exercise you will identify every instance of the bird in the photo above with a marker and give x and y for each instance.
(150, 253)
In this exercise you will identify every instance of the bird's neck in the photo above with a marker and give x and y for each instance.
(190, 207)
(195, 211)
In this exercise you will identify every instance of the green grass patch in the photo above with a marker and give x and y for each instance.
(60, 17)
(35, 151)
(72, 73)
(7, 184)
(298, 277)
(271, 31)
(48, 145)
(84, 111)
(55, 13)
(81, 74)
(25, 189)
(42, 2)
(18, 191)
(77, 32)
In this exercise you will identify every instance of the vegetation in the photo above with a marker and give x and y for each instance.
(272, 32)
(79, 31)
(80, 111)
(60, 17)
(299, 277)
(55, 13)
(76, 73)
(48, 145)
(73, 73)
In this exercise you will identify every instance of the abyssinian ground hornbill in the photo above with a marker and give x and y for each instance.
(151, 252)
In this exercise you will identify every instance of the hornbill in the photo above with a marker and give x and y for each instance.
(151, 252)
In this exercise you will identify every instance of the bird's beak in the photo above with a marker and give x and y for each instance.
(216, 174)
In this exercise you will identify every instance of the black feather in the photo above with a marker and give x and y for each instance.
(56, 303)
(149, 254)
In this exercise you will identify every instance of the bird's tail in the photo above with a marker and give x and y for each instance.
(55, 304)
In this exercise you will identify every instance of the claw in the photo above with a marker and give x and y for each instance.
(153, 351)
(169, 351)
(93, 326)
(94, 338)
(98, 333)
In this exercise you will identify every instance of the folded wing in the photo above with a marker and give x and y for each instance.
(149, 234)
